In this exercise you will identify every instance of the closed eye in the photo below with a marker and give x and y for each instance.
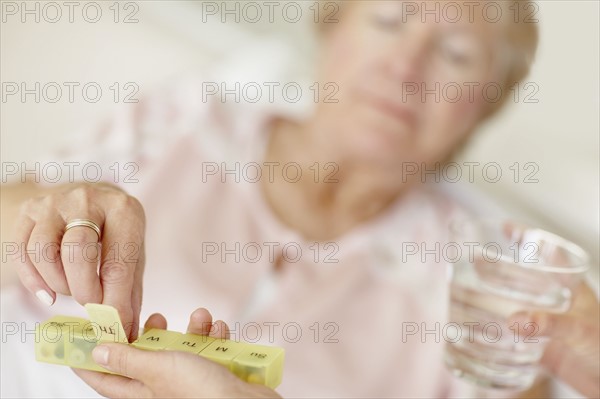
(459, 51)
(387, 22)
(456, 56)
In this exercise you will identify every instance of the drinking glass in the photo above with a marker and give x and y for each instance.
(497, 269)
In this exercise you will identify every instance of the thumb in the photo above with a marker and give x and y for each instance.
(131, 362)
(553, 325)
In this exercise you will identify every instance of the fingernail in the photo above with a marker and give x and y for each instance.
(44, 297)
(100, 355)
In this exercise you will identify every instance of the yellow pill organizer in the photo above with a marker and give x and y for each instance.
(69, 341)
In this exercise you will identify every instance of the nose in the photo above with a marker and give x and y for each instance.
(408, 60)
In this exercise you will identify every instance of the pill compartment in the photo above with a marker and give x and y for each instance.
(78, 349)
(223, 351)
(70, 341)
(190, 343)
(260, 365)
(51, 335)
(155, 339)
(105, 320)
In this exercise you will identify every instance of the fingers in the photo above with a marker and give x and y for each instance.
(155, 320)
(44, 252)
(144, 373)
(114, 386)
(575, 367)
(79, 255)
(122, 253)
(559, 326)
(28, 274)
(134, 363)
(585, 304)
(201, 324)
(112, 277)
(162, 374)
(136, 296)
(219, 330)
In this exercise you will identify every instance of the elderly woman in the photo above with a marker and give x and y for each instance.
(315, 245)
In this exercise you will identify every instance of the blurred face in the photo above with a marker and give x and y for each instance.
(408, 91)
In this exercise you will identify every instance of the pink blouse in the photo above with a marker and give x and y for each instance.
(344, 311)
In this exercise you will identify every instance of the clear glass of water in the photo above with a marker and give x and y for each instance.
(497, 269)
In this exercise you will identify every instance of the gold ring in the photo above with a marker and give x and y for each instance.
(84, 223)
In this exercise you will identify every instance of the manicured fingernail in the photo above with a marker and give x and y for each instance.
(44, 297)
(100, 355)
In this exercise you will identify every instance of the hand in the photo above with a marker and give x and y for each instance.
(167, 374)
(51, 261)
(573, 353)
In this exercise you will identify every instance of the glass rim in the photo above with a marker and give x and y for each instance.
(581, 266)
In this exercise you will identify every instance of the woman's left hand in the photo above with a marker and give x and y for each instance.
(168, 373)
(573, 353)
